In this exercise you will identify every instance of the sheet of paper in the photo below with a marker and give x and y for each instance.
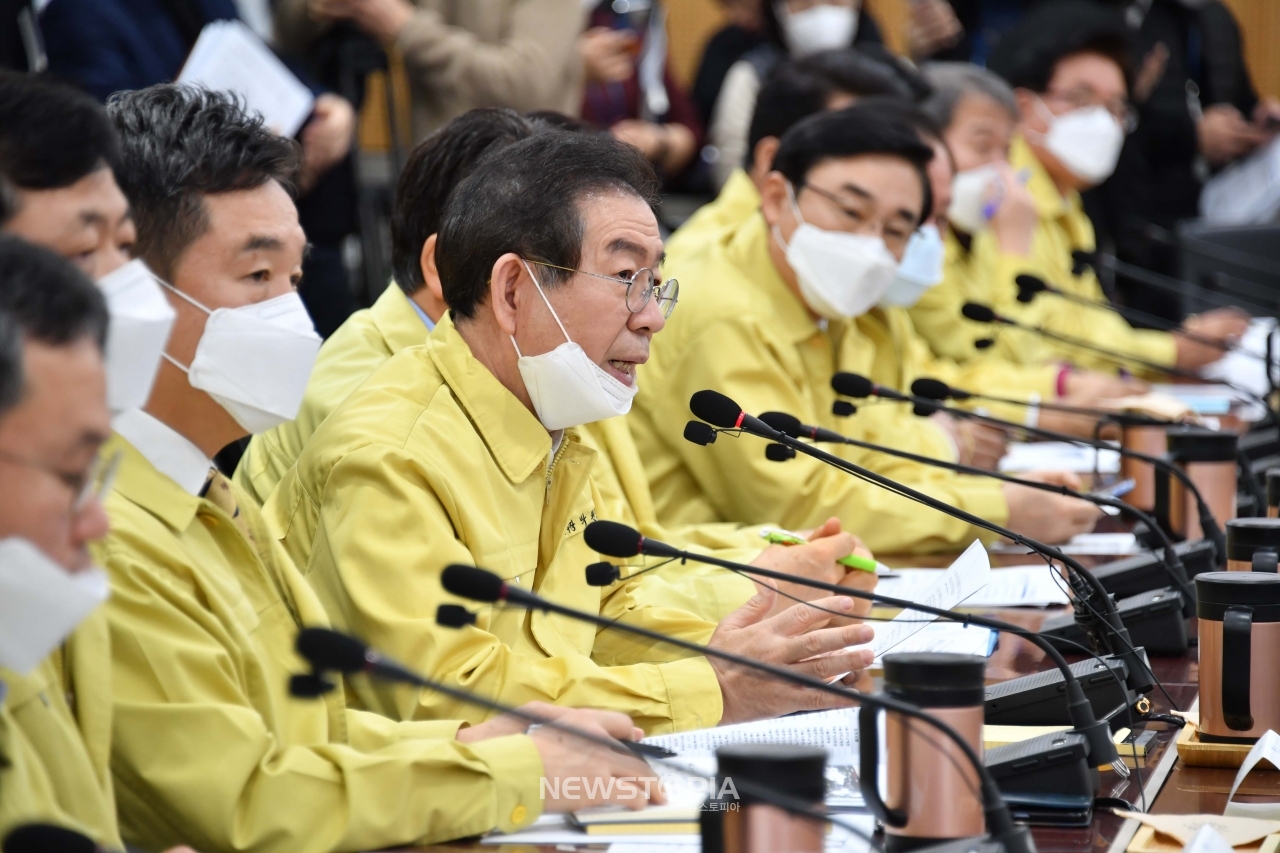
(1266, 749)
(1058, 456)
(1014, 586)
(969, 573)
(1104, 544)
(836, 731)
(1246, 366)
(229, 57)
(1208, 840)
(1234, 831)
(948, 637)
(839, 840)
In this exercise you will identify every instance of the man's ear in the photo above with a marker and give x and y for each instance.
(762, 158)
(1027, 107)
(774, 201)
(427, 265)
(504, 290)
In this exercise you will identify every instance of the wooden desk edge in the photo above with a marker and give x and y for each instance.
(1152, 790)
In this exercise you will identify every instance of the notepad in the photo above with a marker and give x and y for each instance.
(1014, 586)
(229, 57)
(836, 731)
(949, 637)
(1058, 456)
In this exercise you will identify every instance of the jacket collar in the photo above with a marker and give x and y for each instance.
(1050, 203)
(739, 197)
(516, 439)
(397, 322)
(142, 483)
(748, 249)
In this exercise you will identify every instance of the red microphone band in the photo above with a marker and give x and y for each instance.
(738, 423)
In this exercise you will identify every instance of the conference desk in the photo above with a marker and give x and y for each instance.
(1169, 786)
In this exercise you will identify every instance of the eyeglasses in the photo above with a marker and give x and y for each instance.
(94, 483)
(895, 235)
(1119, 108)
(641, 286)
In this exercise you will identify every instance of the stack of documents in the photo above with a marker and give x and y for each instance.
(1058, 456)
(1094, 544)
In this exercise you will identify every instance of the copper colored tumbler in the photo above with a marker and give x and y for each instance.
(1239, 655)
(1209, 458)
(735, 820)
(1253, 544)
(933, 791)
(1151, 441)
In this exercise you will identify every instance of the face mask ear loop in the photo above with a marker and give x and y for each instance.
(545, 300)
(174, 362)
(1046, 114)
(167, 286)
(795, 211)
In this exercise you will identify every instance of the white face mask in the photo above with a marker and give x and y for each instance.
(817, 28)
(141, 319)
(972, 191)
(921, 268)
(840, 275)
(41, 603)
(565, 386)
(255, 360)
(1086, 141)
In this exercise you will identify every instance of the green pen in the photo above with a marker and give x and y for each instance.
(786, 537)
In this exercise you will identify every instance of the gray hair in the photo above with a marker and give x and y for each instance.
(952, 81)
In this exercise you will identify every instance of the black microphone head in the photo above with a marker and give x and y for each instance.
(779, 453)
(783, 423)
(716, 409)
(454, 616)
(613, 539)
(602, 574)
(309, 686)
(978, 313)
(1028, 286)
(852, 385)
(984, 343)
(924, 410)
(327, 649)
(472, 583)
(699, 433)
(934, 389)
(47, 838)
(1080, 261)
(843, 409)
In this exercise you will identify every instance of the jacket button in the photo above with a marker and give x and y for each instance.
(518, 814)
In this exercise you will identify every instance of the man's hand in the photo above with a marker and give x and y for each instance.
(817, 561)
(1015, 220)
(934, 26)
(980, 445)
(509, 724)
(326, 138)
(1224, 325)
(382, 19)
(1225, 134)
(794, 639)
(571, 759)
(1085, 387)
(1045, 516)
(608, 56)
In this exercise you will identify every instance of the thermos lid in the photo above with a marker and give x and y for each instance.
(1247, 535)
(1259, 591)
(1273, 487)
(1189, 443)
(935, 679)
(799, 771)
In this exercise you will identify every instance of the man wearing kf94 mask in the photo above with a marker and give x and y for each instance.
(1069, 66)
(773, 318)
(464, 450)
(208, 745)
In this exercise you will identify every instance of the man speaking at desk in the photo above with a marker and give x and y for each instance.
(464, 451)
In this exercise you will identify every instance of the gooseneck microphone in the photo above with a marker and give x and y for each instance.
(1208, 523)
(1081, 260)
(791, 425)
(936, 389)
(480, 585)
(720, 411)
(48, 838)
(614, 539)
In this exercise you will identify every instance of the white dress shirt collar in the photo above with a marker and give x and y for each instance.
(169, 451)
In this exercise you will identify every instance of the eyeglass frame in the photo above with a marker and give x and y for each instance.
(850, 212)
(671, 283)
(1127, 116)
(94, 484)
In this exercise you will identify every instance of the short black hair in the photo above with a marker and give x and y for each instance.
(180, 143)
(1027, 55)
(45, 298)
(51, 134)
(857, 130)
(525, 198)
(433, 169)
(8, 202)
(797, 88)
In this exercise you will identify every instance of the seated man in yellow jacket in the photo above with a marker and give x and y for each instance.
(1070, 69)
(409, 309)
(770, 322)
(464, 451)
(55, 681)
(208, 745)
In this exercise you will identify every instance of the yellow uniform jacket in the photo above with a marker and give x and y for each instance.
(743, 332)
(210, 749)
(55, 739)
(432, 462)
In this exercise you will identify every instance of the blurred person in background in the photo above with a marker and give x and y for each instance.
(637, 98)
(743, 30)
(521, 54)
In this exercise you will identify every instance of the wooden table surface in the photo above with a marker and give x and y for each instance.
(1170, 787)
